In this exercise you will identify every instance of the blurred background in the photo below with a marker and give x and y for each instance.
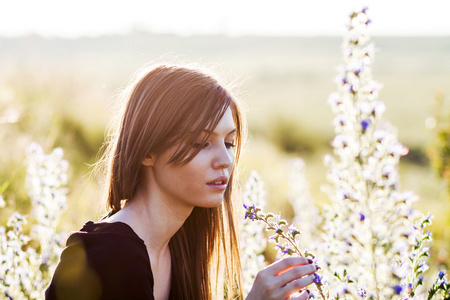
(62, 63)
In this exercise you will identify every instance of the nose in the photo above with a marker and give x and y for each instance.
(224, 158)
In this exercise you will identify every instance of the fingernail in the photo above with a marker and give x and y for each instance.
(310, 260)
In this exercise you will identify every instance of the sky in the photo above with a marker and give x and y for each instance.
(72, 19)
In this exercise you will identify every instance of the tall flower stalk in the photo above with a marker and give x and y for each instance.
(375, 242)
(253, 240)
(46, 184)
(306, 214)
(30, 247)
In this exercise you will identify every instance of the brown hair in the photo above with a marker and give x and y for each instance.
(167, 106)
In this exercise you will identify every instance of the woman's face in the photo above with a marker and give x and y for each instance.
(203, 180)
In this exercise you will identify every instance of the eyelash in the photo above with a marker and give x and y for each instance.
(198, 145)
(228, 145)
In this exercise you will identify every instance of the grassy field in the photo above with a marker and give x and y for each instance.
(62, 90)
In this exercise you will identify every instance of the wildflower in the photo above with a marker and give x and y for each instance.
(398, 289)
(365, 124)
(284, 240)
(293, 231)
(251, 212)
(285, 250)
(369, 221)
(334, 100)
(378, 108)
(317, 278)
(375, 244)
(361, 292)
(26, 262)
(362, 217)
(253, 240)
(340, 120)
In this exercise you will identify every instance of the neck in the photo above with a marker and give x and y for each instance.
(154, 220)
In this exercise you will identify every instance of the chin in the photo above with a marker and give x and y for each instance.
(212, 204)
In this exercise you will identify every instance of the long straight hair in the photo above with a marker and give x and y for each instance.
(170, 106)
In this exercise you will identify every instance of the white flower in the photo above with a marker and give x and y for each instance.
(22, 271)
(2, 202)
(370, 224)
(253, 240)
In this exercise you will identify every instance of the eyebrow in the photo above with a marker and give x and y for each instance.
(215, 133)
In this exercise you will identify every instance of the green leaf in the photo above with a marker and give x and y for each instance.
(4, 187)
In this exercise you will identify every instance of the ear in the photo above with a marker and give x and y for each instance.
(149, 161)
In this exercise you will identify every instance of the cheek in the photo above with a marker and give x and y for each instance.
(197, 167)
(233, 160)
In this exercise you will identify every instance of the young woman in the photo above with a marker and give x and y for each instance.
(171, 229)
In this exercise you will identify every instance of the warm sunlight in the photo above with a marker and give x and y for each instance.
(218, 150)
(234, 17)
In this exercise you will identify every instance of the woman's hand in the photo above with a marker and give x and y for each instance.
(283, 278)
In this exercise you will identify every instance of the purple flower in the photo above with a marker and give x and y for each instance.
(441, 274)
(352, 89)
(317, 279)
(361, 292)
(410, 288)
(362, 217)
(251, 212)
(364, 124)
(284, 250)
(251, 216)
(293, 231)
(398, 289)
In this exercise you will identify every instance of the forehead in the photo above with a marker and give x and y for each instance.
(226, 124)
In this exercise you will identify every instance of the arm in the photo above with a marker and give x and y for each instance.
(283, 278)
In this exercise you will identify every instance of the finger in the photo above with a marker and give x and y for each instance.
(295, 273)
(303, 295)
(287, 263)
(297, 284)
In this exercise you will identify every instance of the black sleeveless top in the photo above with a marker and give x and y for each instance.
(105, 261)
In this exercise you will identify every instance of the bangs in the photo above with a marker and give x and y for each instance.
(200, 124)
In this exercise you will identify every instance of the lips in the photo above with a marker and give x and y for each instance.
(221, 180)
